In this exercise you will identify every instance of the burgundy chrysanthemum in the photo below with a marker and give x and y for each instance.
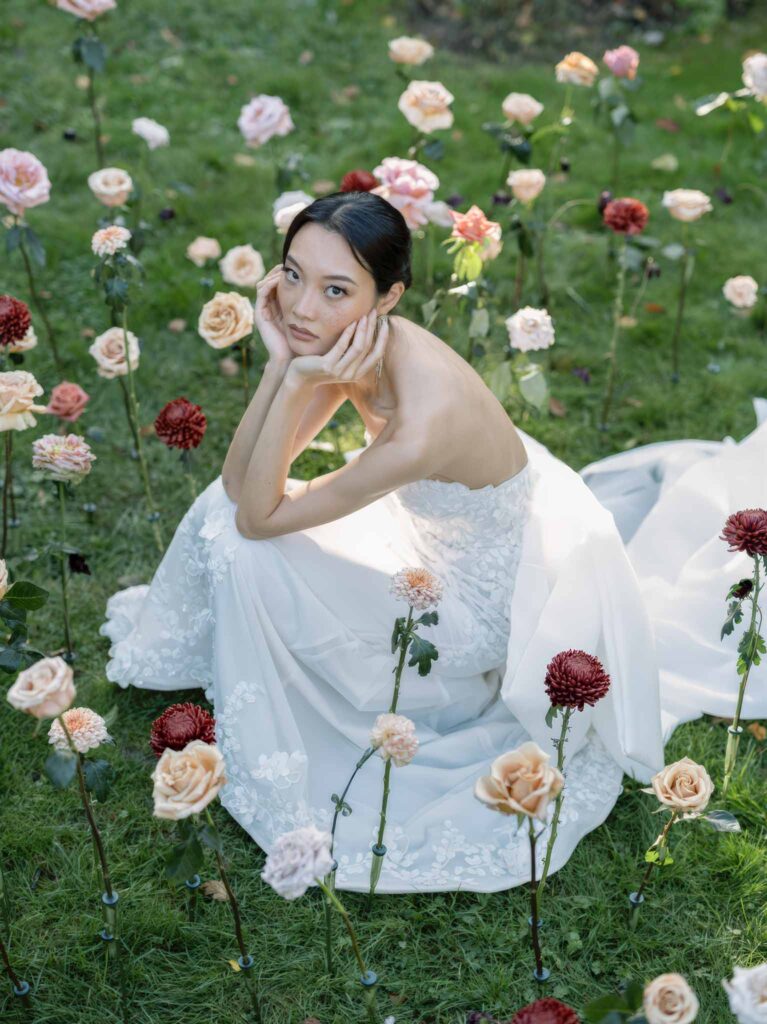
(574, 678)
(181, 424)
(180, 724)
(14, 319)
(747, 531)
(626, 216)
(359, 181)
(546, 1011)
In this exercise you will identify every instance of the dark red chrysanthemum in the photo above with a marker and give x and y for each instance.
(626, 216)
(546, 1011)
(574, 678)
(181, 424)
(180, 724)
(14, 319)
(747, 531)
(359, 181)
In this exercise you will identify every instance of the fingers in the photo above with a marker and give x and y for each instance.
(376, 353)
(266, 300)
(355, 362)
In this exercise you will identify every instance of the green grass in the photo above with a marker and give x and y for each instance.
(438, 955)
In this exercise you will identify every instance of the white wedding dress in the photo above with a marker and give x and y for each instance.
(290, 639)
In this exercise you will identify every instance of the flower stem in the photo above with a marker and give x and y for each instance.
(38, 302)
(675, 338)
(519, 278)
(733, 736)
(534, 902)
(14, 979)
(646, 877)
(334, 900)
(560, 798)
(613, 353)
(96, 118)
(404, 644)
(7, 484)
(64, 600)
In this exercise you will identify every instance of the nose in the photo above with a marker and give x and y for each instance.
(306, 305)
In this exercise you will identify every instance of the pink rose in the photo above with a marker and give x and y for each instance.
(23, 181)
(263, 117)
(66, 459)
(68, 401)
(623, 61)
(89, 10)
(408, 186)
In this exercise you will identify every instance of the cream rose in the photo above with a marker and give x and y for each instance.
(520, 106)
(755, 75)
(242, 266)
(18, 390)
(686, 204)
(670, 1000)
(111, 185)
(407, 50)
(526, 185)
(684, 786)
(89, 10)
(742, 291)
(203, 249)
(290, 199)
(747, 993)
(3, 578)
(151, 131)
(185, 781)
(26, 343)
(576, 69)
(226, 318)
(109, 352)
(426, 105)
(521, 782)
(530, 329)
(45, 689)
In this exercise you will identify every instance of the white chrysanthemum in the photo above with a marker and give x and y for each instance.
(742, 291)
(394, 737)
(747, 993)
(297, 859)
(419, 587)
(110, 240)
(87, 729)
(530, 329)
(755, 75)
(151, 131)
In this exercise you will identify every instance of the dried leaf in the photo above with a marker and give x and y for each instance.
(654, 307)
(305, 57)
(244, 160)
(229, 367)
(667, 125)
(557, 408)
(216, 890)
(628, 321)
(758, 731)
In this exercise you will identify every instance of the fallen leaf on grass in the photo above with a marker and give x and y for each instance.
(654, 307)
(216, 890)
(758, 731)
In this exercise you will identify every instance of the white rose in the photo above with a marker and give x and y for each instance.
(26, 343)
(742, 291)
(242, 266)
(226, 318)
(530, 329)
(755, 75)
(407, 50)
(111, 185)
(18, 390)
(290, 199)
(526, 185)
(668, 999)
(263, 117)
(747, 993)
(520, 106)
(203, 249)
(109, 352)
(687, 204)
(285, 217)
(426, 105)
(151, 131)
(88, 10)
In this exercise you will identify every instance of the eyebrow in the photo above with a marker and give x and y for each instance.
(327, 277)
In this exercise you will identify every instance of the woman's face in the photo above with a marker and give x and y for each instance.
(322, 289)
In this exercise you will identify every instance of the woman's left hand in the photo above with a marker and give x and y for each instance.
(354, 354)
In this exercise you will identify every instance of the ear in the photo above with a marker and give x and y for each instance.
(390, 300)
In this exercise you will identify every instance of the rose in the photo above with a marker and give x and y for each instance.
(530, 329)
(407, 50)
(686, 204)
(203, 249)
(296, 860)
(186, 781)
(668, 999)
(622, 61)
(3, 578)
(520, 106)
(45, 689)
(526, 185)
(426, 105)
(23, 181)
(408, 186)
(747, 993)
(225, 319)
(110, 240)
(521, 782)
(263, 117)
(358, 181)
(89, 10)
(109, 352)
(18, 390)
(67, 459)
(111, 185)
(684, 786)
(152, 132)
(755, 75)
(290, 198)
(742, 291)
(576, 69)
(474, 227)
(68, 401)
(242, 266)
(625, 216)
(285, 217)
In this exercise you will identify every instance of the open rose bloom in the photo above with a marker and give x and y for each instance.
(23, 181)
(521, 782)
(186, 781)
(242, 266)
(521, 107)
(45, 689)
(88, 10)
(109, 352)
(687, 204)
(203, 249)
(151, 131)
(426, 105)
(668, 999)
(263, 118)
(684, 786)
(576, 69)
(622, 61)
(741, 291)
(408, 50)
(18, 390)
(474, 227)
(409, 186)
(225, 319)
(747, 994)
(111, 185)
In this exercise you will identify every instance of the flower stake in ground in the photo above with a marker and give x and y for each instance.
(573, 680)
(302, 858)
(18, 391)
(523, 783)
(745, 531)
(181, 424)
(20, 988)
(393, 734)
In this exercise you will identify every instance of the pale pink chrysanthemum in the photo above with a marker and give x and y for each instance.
(108, 241)
(419, 587)
(87, 729)
(394, 737)
(64, 458)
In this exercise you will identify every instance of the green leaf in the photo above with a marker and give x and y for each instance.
(422, 653)
(91, 52)
(734, 617)
(11, 659)
(25, 595)
(428, 309)
(722, 821)
(98, 778)
(652, 857)
(209, 836)
(185, 859)
(12, 238)
(597, 1010)
(399, 625)
(634, 995)
(434, 150)
(428, 619)
(689, 267)
(551, 714)
(750, 649)
(533, 387)
(479, 324)
(468, 263)
(500, 381)
(341, 805)
(35, 246)
(756, 122)
(60, 767)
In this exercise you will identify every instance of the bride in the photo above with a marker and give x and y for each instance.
(274, 597)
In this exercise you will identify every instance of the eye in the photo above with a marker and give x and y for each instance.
(343, 291)
(289, 270)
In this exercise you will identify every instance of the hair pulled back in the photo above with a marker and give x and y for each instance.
(375, 230)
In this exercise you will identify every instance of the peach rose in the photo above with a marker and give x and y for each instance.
(18, 390)
(26, 343)
(263, 117)
(109, 352)
(687, 204)
(742, 291)
(67, 459)
(408, 50)
(89, 10)
(226, 318)
(242, 266)
(520, 106)
(426, 105)
(111, 185)
(576, 69)
(521, 782)
(68, 401)
(473, 226)
(203, 249)
(684, 786)
(23, 181)
(186, 781)
(3, 578)
(668, 999)
(45, 689)
(526, 185)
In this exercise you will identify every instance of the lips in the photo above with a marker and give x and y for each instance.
(301, 332)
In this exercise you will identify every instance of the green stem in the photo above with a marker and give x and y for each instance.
(64, 599)
(534, 900)
(675, 338)
(646, 877)
(733, 737)
(6, 489)
(404, 643)
(369, 994)
(559, 801)
(96, 118)
(519, 279)
(38, 302)
(613, 352)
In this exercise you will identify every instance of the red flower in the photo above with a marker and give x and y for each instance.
(625, 216)
(180, 724)
(181, 424)
(574, 678)
(359, 181)
(546, 1011)
(747, 531)
(14, 319)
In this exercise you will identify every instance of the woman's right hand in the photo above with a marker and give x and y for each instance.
(269, 320)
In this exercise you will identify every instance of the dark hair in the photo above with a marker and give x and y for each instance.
(376, 231)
